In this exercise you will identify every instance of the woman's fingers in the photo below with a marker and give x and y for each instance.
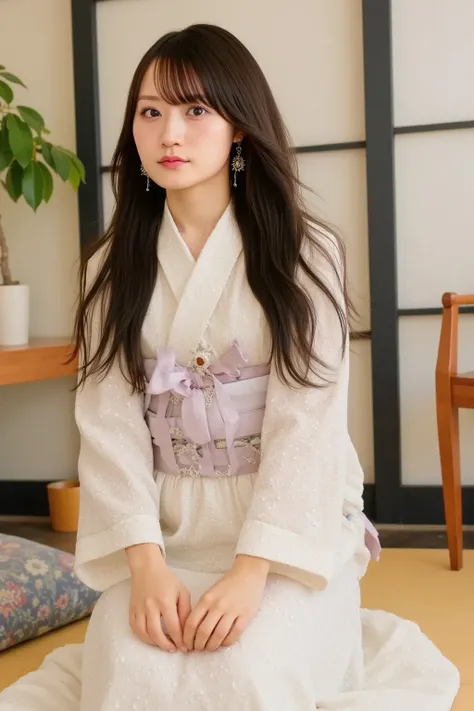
(220, 633)
(172, 626)
(184, 607)
(154, 628)
(238, 628)
(206, 629)
(192, 624)
(138, 625)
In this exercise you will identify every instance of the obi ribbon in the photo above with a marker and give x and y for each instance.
(168, 376)
(372, 540)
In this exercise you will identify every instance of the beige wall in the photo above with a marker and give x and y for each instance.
(38, 439)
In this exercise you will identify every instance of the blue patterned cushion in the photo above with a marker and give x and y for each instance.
(38, 590)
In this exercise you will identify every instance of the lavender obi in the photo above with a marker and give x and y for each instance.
(206, 420)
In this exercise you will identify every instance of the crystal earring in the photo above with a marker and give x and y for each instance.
(238, 163)
(144, 173)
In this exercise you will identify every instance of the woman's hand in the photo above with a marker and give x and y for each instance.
(159, 602)
(224, 612)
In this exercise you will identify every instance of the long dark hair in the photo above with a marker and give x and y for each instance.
(207, 64)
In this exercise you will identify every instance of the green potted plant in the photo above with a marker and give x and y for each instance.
(27, 163)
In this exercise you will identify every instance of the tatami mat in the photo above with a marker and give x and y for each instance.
(416, 584)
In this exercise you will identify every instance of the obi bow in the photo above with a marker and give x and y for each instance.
(168, 376)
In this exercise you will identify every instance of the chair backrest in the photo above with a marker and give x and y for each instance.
(447, 363)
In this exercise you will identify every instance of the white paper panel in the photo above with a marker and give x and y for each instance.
(419, 337)
(435, 215)
(361, 426)
(433, 60)
(339, 180)
(310, 51)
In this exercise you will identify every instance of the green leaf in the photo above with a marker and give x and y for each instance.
(47, 182)
(62, 162)
(11, 77)
(13, 181)
(21, 139)
(32, 118)
(78, 163)
(6, 155)
(74, 178)
(46, 153)
(5, 159)
(80, 166)
(33, 185)
(1, 67)
(6, 92)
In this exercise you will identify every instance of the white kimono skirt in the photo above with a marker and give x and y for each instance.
(220, 458)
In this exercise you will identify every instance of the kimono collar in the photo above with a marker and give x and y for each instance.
(197, 284)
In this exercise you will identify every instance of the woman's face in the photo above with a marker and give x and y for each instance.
(180, 146)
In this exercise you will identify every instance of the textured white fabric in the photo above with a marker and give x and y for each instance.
(253, 675)
(309, 646)
(403, 671)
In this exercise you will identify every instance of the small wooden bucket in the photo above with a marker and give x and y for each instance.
(63, 498)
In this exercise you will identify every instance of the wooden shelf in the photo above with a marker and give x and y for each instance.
(39, 359)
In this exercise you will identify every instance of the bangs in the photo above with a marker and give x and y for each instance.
(177, 82)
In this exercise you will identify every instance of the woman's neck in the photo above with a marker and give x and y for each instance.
(197, 211)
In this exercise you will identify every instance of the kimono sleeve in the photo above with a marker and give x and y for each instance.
(118, 499)
(295, 515)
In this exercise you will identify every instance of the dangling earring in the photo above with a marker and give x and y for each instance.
(143, 172)
(238, 164)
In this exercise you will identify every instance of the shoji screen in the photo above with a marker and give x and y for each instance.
(312, 54)
(433, 70)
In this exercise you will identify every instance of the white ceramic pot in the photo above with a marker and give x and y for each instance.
(14, 314)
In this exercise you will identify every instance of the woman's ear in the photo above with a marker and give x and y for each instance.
(238, 136)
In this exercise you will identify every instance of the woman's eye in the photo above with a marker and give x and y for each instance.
(150, 113)
(197, 111)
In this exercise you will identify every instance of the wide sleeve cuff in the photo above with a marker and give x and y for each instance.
(293, 555)
(101, 560)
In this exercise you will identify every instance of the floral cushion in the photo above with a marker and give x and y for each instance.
(38, 590)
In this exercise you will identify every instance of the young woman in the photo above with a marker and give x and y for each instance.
(221, 509)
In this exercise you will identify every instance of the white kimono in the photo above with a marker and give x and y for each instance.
(310, 646)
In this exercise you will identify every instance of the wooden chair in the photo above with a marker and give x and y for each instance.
(453, 391)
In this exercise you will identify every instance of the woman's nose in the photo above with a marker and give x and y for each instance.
(172, 132)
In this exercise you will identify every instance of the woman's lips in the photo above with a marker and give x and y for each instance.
(173, 162)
